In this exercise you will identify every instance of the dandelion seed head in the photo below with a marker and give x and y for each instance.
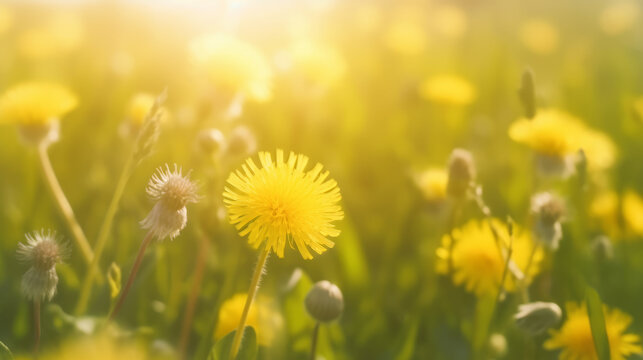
(172, 191)
(42, 251)
(281, 202)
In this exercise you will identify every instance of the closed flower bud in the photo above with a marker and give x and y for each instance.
(241, 142)
(172, 192)
(547, 211)
(537, 317)
(497, 346)
(324, 301)
(462, 173)
(554, 166)
(602, 248)
(211, 141)
(42, 251)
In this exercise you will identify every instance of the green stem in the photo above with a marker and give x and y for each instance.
(132, 275)
(254, 285)
(36, 320)
(103, 235)
(63, 204)
(313, 346)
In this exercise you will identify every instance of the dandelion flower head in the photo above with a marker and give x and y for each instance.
(558, 134)
(433, 184)
(262, 316)
(36, 103)
(575, 340)
(282, 201)
(234, 65)
(477, 260)
(539, 36)
(447, 89)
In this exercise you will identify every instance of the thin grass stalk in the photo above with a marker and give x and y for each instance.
(313, 345)
(188, 317)
(132, 275)
(103, 235)
(254, 286)
(63, 204)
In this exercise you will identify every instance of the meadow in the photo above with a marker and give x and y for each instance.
(321, 179)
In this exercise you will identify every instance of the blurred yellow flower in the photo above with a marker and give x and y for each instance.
(433, 184)
(558, 134)
(477, 260)
(281, 201)
(234, 65)
(6, 19)
(539, 36)
(604, 209)
(97, 348)
(35, 103)
(447, 89)
(57, 35)
(450, 21)
(266, 321)
(319, 64)
(619, 16)
(139, 106)
(633, 212)
(575, 340)
(406, 34)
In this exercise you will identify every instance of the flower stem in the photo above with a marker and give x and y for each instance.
(132, 275)
(36, 328)
(103, 235)
(199, 268)
(254, 285)
(63, 204)
(313, 345)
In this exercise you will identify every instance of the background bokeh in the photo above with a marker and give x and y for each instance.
(344, 90)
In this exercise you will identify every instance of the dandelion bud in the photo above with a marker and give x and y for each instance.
(324, 301)
(172, 192)
(602, 248)
(42, 251)
(211, 141)
(241, 142)
(537, 317)
(462, 173)
(527, 94)
(497, 346)
(554, 166)
(548, 211)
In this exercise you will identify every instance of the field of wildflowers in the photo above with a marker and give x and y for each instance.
(321, 179)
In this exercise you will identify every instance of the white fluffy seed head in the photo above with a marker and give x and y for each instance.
(172, 191)
(172, 188)
(42, 252)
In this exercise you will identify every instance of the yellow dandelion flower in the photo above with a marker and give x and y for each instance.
(407, 34)
(633, 212)
(234, 65)
(575, 340)
(35, 103)
(282, 201)
(57, 35)
(604, 209)
(262, 316)
(619, 16)
(450, 21)
(477, 261)
(539, 36)
(433, 184)
(319, 64)
(97, 348)
(558, 134)
(448, 89)
(6, 19)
